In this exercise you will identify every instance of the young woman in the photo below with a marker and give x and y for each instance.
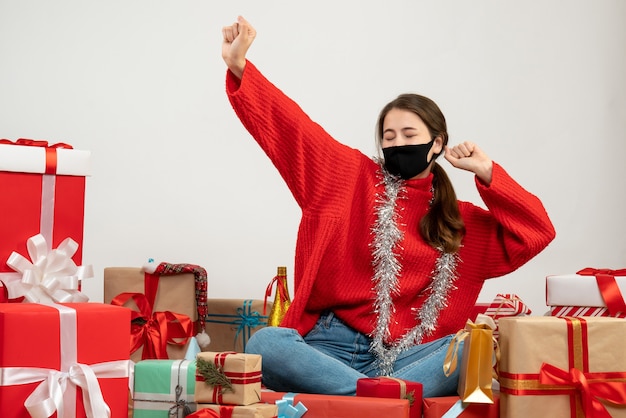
(388, 263)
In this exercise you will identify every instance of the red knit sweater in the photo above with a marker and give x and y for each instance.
(336, 187)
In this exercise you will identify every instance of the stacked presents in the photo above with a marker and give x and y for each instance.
(84, 367)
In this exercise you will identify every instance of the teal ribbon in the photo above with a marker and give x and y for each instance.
(455, 410)
(245, 320)
(286, 408)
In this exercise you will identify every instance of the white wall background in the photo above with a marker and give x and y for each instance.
(539, 85)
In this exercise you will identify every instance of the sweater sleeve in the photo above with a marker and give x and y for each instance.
(306, 156)
(514, 229)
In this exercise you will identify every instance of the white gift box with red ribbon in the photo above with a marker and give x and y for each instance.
(590, 288)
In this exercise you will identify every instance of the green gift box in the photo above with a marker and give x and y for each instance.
(164, 388)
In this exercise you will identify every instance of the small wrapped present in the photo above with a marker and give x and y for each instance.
(562, 367)
(452, 406)
(167, 300)
(228, 378)
(83, 370)
(231, 322)
(480, 356)
(324, 406)
(589, 287)
(42, 191)
(256, 410)
(390, 387)
(504, 304)
(164, 388)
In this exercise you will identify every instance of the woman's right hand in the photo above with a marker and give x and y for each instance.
(237, 39)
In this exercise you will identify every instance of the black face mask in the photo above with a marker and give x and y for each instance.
(407, 161)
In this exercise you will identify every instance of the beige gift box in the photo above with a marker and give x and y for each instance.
(543, 358)
(175, 293)
(242, 371)
(231, 322)
(258, 410)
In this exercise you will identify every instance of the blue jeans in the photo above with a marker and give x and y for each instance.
(332, 357)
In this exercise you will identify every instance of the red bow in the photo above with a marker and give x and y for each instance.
(608, 287)
(591, 387)
(156, 329)
(35, 143)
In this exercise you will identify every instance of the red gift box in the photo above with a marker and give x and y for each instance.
(42, 190)
(86, 346)
(389, 387)
(324, 406)
(438, 407)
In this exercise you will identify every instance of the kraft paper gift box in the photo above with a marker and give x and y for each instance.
(562, 367)
(602, 289)
(164, 388)
(390, 387)
(257, 410)
(42, 191)
(324, 406)
(228, 378)
(437, 407)
(231, 322)
(86, 341)
(174, 299)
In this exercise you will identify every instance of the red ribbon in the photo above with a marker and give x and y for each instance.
(158, 328)
(204, 413)
(280, 289)
(51, 150)
(608, 287)
(591, 386)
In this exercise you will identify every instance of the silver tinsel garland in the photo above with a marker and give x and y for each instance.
(387, 270)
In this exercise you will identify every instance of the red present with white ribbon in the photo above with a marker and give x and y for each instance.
(69, 359)
(42, 191)
(588, 288)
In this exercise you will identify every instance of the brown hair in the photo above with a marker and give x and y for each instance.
(442, 227)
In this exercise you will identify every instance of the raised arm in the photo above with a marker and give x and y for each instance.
(238, 38)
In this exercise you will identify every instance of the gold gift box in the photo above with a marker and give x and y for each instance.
(176, 293)
(243, 372)
(589, 347)
(258, 410)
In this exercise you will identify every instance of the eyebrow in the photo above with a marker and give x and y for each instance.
(408, 128)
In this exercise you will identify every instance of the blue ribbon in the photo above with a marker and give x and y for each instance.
(455, 410)
(286, 408)
(246, 320)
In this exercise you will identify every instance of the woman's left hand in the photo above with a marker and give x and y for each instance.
(468, 156)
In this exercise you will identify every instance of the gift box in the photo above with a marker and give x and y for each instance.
(562, 367)
(84, 363)
(257, 410)
(228, 378)
(164, 388)
(589, 287)
(503, 305)
(453, 406)
(390, 387)
(323, 406)
(583, 311)
(168, 300)
(231, 322)
(42, 191)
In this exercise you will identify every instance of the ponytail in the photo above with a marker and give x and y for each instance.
(442, 227)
